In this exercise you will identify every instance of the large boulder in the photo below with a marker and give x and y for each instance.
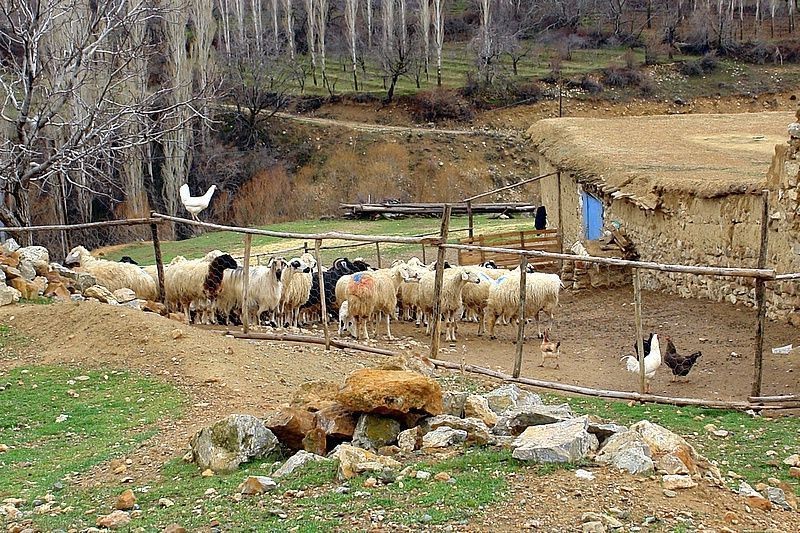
(477, 431)
(354, 461)
(230, 442)
(9, 246)
(375, 431)
(98, 292)
(26, 288)
(37, 257)
(517, 419)
(291, 425)
(410, 439)
(511, 396)
(9, 295)
(443, 437)
(453, 403)
(315, 395)
(390, 392)
(562, 442)
(627, 451)
(476, 406)
(298, 460)
(124, 295)
(337, 422)
(662, 441)
(81, 280)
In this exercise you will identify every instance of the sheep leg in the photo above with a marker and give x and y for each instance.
(388, 329)
(490, 319)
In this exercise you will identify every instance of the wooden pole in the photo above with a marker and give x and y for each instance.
(560, 223)
(159, 262)
(378, 253)
(470, 227)
(86, 225)
(637, 310)
(523, 271)
(309, 339)
(436, 328)
(322, 298)
(761, 307)
(248, 239)
(424, 259)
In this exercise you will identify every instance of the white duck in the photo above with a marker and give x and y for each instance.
(195, 204)
(651, 362)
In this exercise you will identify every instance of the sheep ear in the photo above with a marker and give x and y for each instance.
(465, 275)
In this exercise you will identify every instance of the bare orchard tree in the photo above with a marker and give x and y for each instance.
(322, 24)
(312, 36)
(75, 102)
(425, 30)
(275, 31)
(350, 13)
(289, 27)
(396, 54)
(438, 27)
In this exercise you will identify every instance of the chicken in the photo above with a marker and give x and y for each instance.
(550, 349)
(681, 365)
(195, 204)
(651, 361)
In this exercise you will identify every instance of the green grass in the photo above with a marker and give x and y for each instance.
(106, 416)
(233, 242)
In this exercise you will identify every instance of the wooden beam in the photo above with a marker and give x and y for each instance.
(470, 226)
(523, 267)
(637, 310)
(322, 298)
(560, 223)
(159, 262)
(87, 225)
(285, 337)
(507, 187)
(378, 253)
(761, 304)
(248, 240)
(436, 326)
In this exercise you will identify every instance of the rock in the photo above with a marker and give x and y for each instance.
(9, 246)
(99, 292)
(231, 442)
(593, 527)
(412, 363)
(390, 392)
(671, 464)
(207, 472)
(389, 451)
(778, 497)
(478, 407)
(370, 483)
(301, 458)
(442, 476)
(37, 257)
(337, 422)
(9, 295)
(670, 493)
(562, 442)
(115, 520)
(443, 437)
(423, 475)
(676, 482)
(316, 441)
(606, 520)
(26, 270)
(26, 289)
(374, 431)
(792, 460)
(662, 441)
(453, 403)
(626, 451)
(515, 421)
(477, 431)
(746, 490)
(82, 280)
(291, 425)
(603, 430)
(315, 395)
(174, 528)
(166, 503)
(125, 501)
(511, 396)
(124, 295)
(354, 461)
(794, 472)
(410, 439)
(759, 502)
(253, 485)
(584, 475)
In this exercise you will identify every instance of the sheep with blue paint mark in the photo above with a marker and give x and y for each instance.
(541, 295)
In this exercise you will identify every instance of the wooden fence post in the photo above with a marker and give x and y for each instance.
(560, 224)
(523, 271)
(323, 303)
(761, 307)
(424, 259)
(637, 310)
(471, 227)
(378, 253)
(248, 240)
(436, 327)
(159, 261)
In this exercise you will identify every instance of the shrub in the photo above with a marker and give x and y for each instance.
(709, 62)
(692, 68)
(311, 103)
(440, 104)
(621, 77)
(590, 85)
(647, 87)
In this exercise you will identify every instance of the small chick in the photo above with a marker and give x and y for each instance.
(550, 350)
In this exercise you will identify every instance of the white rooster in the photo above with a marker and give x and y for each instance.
(651, 362)
(195, 204)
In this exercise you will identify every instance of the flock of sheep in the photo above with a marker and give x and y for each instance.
(287, 293)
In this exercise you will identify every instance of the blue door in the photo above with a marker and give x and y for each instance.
(592, 217)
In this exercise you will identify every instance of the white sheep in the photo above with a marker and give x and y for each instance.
(346, 322)
(264, 291)
(196, 281)
(408, 294)
(152, 270)
(476, 295)
(541, 294)
(374, 293)
(113, 275)
(451, 306)
(296, 280)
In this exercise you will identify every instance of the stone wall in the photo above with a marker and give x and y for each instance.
(688, 230)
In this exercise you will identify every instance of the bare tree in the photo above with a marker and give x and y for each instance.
(350, 13)
(312, 36)
(275, 31)
(289, 27)
(225, 17)
(76, 105)
(396, 58)
(322, 23)
(438, 26)
(425, 30)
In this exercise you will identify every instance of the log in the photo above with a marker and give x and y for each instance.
(761, 303)
(637, 310)
(159, 262)
(86, 225)
(507, 187)
(765, 274)
(523, 267)
(323, 303)
(436, 328)
(285, 337)
(780, 398)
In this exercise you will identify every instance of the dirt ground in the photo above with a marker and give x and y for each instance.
(222, 375)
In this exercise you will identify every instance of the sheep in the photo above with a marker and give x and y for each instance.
(475, 295)
(373, 293)
(152, 270)
(408, 294)
(296, 279)
(346, 322)
(196, 281)
(541, 294)
(264, 292)
(340, 267)
(453, 283)
(113, 275)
